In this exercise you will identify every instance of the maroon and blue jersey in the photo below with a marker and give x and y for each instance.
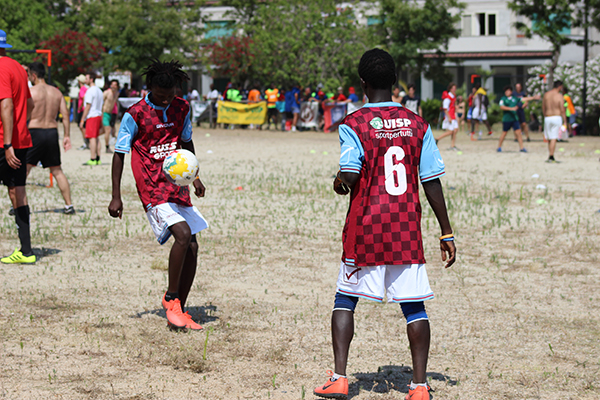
(152, 132)
(390, 148)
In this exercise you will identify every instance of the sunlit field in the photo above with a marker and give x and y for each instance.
(517, 316)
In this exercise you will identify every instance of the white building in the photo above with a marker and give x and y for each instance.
(489, 40)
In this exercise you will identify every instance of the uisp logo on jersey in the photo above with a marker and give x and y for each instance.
(391, 128)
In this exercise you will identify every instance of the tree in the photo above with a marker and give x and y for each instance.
(572, 77)
(232, 57)
(134, 31)
(417, 35)
(296, 41)
(27, 23)
(549, 20)
(73, 53)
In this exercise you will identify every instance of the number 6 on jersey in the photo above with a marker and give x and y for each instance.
(395, 174)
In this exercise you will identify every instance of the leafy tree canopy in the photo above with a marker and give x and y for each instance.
(135, 31)
(297, 41)
(27, 23)
(412, 32)
(551, 19)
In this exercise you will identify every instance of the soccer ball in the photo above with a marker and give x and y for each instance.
(180, 167)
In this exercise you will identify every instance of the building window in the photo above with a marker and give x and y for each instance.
(218, 29)
(481, 18)
(491, 24)
(467, 26)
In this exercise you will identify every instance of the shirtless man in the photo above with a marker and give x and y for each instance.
(109, 117)
(48, 102)
(555, 119)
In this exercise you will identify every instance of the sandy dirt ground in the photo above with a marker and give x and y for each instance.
(517, 317)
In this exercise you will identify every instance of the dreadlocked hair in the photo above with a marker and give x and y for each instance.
(166, 74)
(377, 68)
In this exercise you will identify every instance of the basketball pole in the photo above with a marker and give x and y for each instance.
(49, 64)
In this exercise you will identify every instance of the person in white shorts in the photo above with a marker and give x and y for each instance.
(450, 123)
(383, 252)
(150, 130)
(555, 119)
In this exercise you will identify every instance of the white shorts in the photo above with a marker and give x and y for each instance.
(399, 283)
(552, 127)
(449, 125)
(480, 115)
(164, 215)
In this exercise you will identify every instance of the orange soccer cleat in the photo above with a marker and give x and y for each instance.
(175, 316)
(190, 322)
(337, 389)
(420, 393)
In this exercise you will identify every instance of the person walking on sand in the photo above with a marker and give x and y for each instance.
(509, 105)
(555, 119)
(48, 102)
(92, 117)
(15, 109)
(450, 124)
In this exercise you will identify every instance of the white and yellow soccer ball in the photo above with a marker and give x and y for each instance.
(180, 167)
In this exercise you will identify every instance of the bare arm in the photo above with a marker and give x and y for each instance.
(420, 111)
(30, 107)
(435, 197)
(7, 118)
(66, 124)
(6, 114)
(544, 105)
(115, 208)
(563, 114)
(86, 111)
(199, 188)
(505, 108)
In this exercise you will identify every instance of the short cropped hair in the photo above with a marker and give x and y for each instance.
(411, 86)
(451, 85)
(508, 87)
(38, 68)
(114, 80)
(92, 74)
(557, 84)
(377, 68)
(166, 74)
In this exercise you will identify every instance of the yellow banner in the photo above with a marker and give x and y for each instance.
(229, 112)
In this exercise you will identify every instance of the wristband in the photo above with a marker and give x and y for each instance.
(448, 236)
(448, 240)
(7, 146)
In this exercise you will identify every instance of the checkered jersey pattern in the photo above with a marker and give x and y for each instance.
(383, 228)
(154, 141)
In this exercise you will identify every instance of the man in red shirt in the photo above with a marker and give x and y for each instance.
(15, 106)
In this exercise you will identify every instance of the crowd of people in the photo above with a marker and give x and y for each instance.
(283, 104)
(512, 105)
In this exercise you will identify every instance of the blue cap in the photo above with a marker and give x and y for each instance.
(3, 44)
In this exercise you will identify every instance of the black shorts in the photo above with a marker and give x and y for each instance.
(13, 177)
(45, 147)
(272, 112)
(78, 116)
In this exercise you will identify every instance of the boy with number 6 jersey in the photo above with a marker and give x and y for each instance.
(151, 129)
(385, 150)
